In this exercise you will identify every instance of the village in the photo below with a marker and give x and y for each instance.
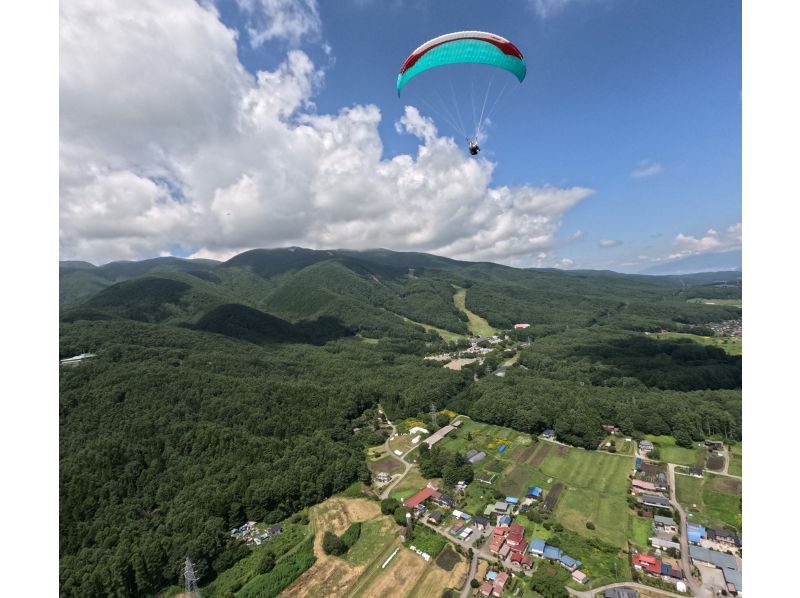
(676, 555)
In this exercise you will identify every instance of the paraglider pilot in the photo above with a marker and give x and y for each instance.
(473, 147)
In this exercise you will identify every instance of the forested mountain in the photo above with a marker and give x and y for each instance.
(230, 391)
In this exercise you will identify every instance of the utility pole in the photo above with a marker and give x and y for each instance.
(190, 580)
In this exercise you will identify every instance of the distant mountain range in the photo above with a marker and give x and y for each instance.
(709, 262)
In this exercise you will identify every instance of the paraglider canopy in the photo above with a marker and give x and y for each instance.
(460, 47)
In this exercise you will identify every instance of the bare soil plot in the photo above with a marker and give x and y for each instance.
(387, 465)
(725, 485)
(399, 577)
(448, 559)
(540, 454)
(561, 450)
(524, 454)
(435, 579)
(330, 575)
(552, 497)
(715, 462)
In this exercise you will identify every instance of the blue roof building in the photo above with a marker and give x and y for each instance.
(534, 492)
(552, 552)
(502, 448)
(638, 463)
(695, 532)
(491, 575)
(569, 562)
(511, 500)
(537, 546)
(504, 520)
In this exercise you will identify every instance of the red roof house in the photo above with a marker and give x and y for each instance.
(648, 563)
(419, 497)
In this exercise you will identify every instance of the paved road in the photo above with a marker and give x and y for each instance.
(406, 465)
(473, 569)
(622, 584)
(697, 589)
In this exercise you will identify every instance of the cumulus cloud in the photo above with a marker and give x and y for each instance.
(647, 168)
(606, 243)
(711, 242)
(167, 140)
(290, 20)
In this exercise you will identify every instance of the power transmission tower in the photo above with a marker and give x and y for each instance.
(190, 585)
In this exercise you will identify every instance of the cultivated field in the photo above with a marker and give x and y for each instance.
(639, 531)
(386, 464)
(712, 500)
(731, 345)
(334, 576)
(672, 453)
(735, 460)
(447, 571)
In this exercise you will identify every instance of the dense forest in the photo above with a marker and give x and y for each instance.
(223, 392)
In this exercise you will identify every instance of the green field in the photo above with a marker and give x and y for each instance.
(639, 531)
(485, 437)
(410, 485)
(731, 302)
(735, 460)
(731, 345)
(373, 540)
(713, 500)
(477, 324)
(672, 453)
(623, 447)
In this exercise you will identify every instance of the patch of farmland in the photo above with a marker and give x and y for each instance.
(436, 578)
(609, 514)
(541, 453)
(386, 464)
(523, 454)
(600, 472)
(399, 577)
(715, 462)
(448, 559)
(551, 499)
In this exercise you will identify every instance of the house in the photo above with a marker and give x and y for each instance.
(480, 522)
(721, 560)
(695, 532)
(620, 593)
(724, 538)
(499, 584)
(664, 544)
(435, 517)
(383, 477)
(611, 428)
(535, 492)
(549, 434)
(477, 458)
(466, 533)
(715, 445)
(496, 544)
(504, 551)
(568, 562)
(645, 562)
(523, 559)
(645, 446)
(552, 553)
(515, 540)
(638, 486)
(504, 521)
(537, 547)
(665, 524)
(658, 502)
(456, 529)
(521, 326)
(696, 472)
(486, 588)
(461, 515)
(443, 500)
(512, 500)
(501, 507)
(579, 576)
(461, 486)
(419, 497)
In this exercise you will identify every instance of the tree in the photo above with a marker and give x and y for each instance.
(332, 544)
(589, 525)
(388, 505)
(267, 563)
(400, 515)
(474, 583)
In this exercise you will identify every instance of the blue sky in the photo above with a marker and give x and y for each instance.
(635, 103)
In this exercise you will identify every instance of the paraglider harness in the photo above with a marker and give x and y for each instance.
(473, 146)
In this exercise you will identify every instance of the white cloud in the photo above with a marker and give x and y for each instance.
(166, 140)
(578, 234)
(605, 243)
(647, 168)
(549, 8)
(291, 20)
(711, 242)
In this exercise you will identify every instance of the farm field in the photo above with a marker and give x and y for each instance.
(334, 576)
(623, 447)
(485, 437)
(446, 571)
(387, 464)
(731, 345)
(587, 469)
(609, 514)
(640, 531)
(735, 460)
(477, 324)
(672, 453)
(731, 302)
(411, 484)
(713, 500)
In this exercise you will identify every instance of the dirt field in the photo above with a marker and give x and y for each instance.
(726, 485)
(330, 575)
(435, 579)
(544, 448)
(399, 577)
(387, 464)
(525, 453)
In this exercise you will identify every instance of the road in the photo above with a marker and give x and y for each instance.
(622, 584)
(406, 464)
(697, 589)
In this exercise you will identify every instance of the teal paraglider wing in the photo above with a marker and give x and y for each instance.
(463, 46)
